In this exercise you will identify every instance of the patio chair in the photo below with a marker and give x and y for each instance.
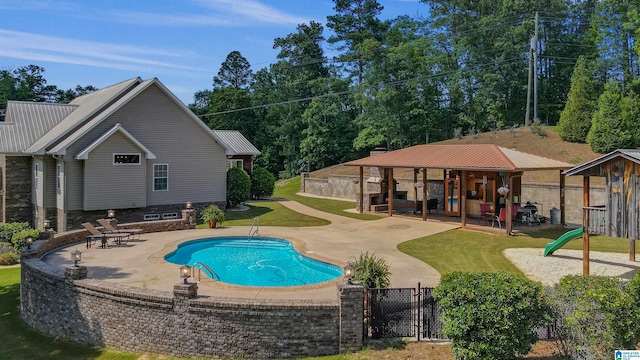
(502, 216)
(95, 234)
(485, 214)
(110, 228)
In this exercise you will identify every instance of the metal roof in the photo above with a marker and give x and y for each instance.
(88, 106)
(26, 122)
(487, 157)
(236, 143)
(630, 154)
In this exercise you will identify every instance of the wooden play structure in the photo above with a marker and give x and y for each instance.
(620, 215)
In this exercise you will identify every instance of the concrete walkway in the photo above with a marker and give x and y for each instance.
(141, 263)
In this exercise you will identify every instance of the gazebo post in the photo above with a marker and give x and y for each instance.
(463, 199)
(361, 189)
(585, 226)
(415, 189)
(508, 208)
(424, 194)
(390, 184)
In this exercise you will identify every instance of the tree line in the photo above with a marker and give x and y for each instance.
(463, 68)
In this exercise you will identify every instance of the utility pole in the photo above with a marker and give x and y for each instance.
(535, 72)
(527, 119)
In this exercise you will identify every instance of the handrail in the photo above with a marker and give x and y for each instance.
(598, 221)
(253, 233)
(199, 266)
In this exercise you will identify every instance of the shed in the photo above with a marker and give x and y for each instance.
(620, 215)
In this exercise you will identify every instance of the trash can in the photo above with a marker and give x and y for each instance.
(555, 216)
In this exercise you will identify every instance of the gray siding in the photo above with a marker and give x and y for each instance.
(109, 186)
(38, 183)
(49, 182)
(197, 164)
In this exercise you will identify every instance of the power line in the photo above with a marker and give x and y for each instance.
(345, 92)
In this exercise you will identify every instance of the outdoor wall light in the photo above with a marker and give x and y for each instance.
(46, 224)
(76, 256)
(349, 272)
(29, 241)
(185, 272)
(189, 205)
(111, 214)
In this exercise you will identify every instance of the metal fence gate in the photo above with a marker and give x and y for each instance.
(402, 312)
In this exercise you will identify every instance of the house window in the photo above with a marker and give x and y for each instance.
(126, 159)
(234, 163)
(160, 177)
(36, 176)
(58, 178)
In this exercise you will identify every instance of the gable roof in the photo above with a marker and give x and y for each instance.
(84, 153)
(487, 157)
(26, 122)
(629, 154)
(88, 111)
(236, 143)
(88, 106)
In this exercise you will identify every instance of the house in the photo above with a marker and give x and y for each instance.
(619, 216)
(240, 151)
(133, 147)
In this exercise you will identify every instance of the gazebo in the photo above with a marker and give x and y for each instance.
(620, 215)
(472, 175)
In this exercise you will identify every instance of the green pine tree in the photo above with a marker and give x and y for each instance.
(575, 119)
(608, 130)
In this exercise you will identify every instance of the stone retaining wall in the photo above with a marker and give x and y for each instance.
(64, 303)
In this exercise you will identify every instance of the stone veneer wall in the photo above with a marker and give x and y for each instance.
(63, 302)
(18, 202)
(188, 221)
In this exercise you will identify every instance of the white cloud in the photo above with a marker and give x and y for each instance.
(28, 46)
(237, 13)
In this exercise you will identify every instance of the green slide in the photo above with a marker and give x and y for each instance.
(562, 241)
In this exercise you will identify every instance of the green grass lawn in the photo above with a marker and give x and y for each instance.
(269, 213)
(459, 250)
(288, 188)
(18, 341)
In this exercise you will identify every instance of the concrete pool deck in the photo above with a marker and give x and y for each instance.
(141, 263)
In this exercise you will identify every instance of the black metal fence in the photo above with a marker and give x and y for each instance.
(403, 312)
(411, 312)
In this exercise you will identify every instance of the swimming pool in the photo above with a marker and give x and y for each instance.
(254, 261)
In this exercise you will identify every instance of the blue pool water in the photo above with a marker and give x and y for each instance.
(254, 261)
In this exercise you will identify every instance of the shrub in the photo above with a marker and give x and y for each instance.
(9, 259)
(490, 315)
(537, 129)
(238, 186)
(262, 183)
(372, 271)
(7, 230)
(18, 239)
(596, 315)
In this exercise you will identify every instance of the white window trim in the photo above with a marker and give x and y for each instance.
(153, 176)
(59, 171)
(113, 159)
(235, 161)
(36, 179)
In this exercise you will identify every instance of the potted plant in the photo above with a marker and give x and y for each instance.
(212, 215)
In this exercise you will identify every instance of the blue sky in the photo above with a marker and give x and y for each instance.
(183, 43)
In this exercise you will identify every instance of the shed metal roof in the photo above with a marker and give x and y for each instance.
(630, 154)
(487, 157)
(26, 122)
(236, 143)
